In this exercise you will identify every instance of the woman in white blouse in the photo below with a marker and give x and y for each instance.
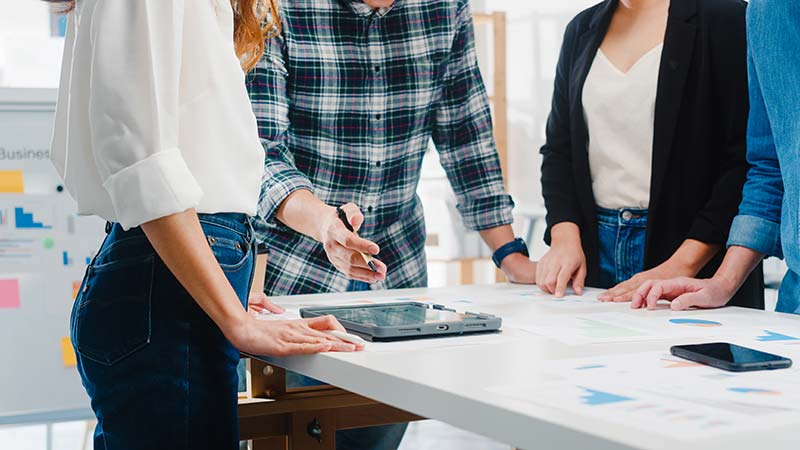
(154, 132)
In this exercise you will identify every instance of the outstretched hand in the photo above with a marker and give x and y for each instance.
(683, 293)
(290, 337)
(259, 302)
(625, 291)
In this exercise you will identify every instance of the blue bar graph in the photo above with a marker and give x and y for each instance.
(66, 259)
(591, 366)
(24, 219)
(595, 398)
(773, 336)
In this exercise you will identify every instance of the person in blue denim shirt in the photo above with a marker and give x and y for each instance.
(768, 222)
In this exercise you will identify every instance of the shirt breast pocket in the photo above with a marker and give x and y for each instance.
(413, 84)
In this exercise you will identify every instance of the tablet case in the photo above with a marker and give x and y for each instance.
(473, 323)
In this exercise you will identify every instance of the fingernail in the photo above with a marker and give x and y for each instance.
(677, 304)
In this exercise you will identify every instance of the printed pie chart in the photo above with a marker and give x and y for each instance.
(696, 323)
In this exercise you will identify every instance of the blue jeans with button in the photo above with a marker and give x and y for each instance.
(158, 371)
(621, 234)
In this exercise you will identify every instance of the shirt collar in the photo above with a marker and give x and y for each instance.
(362, 9)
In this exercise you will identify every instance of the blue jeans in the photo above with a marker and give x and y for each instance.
(621, 234)
(384, 437)
(159, 372)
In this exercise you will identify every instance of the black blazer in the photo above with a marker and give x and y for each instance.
(701, 109)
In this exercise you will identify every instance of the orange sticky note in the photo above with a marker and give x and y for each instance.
(9, 293)
(76, 286)
(11, 181)
(68, 353)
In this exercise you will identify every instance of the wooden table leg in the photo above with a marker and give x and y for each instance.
(466, 270)
(273, 443)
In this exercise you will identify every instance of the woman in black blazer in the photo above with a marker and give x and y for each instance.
(599, 150)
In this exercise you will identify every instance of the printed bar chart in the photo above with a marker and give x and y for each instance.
(24, 219)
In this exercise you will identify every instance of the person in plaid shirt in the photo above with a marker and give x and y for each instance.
(347, 99)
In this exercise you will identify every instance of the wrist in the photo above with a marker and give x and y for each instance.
(681, 268)
(565, 233)
(729, 285)
(505, 251)
(511, 261)
(325, 213)
(234, 327)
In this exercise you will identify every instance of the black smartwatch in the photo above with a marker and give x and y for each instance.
(515, 246)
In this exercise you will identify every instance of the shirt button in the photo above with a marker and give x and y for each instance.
(369, 208)
(377, 164)
(377, 117)
(377, 69)
(627, 215)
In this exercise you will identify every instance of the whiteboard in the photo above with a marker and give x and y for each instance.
(44, 249)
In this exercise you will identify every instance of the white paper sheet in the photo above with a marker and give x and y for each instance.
(659, 392)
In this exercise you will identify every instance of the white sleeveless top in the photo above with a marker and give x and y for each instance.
(620, 114)
(153, 117)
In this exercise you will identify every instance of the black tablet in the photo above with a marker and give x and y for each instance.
(405, 320)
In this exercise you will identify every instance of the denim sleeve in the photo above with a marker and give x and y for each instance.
(758, 224)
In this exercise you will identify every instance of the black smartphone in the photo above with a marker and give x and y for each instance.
(730, 357)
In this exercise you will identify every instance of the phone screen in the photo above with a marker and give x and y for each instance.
(731, 353)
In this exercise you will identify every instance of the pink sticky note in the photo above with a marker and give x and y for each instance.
(9, 293)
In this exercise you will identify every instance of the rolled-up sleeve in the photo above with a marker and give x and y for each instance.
(757, 226)
(463, 136)
(134, 109)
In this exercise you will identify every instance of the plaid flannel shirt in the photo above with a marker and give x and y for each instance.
(347, 100)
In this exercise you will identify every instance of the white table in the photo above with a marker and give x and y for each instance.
(456, 384)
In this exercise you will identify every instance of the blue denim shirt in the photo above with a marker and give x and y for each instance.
(768, 215)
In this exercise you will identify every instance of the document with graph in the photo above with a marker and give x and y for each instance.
(658, 392)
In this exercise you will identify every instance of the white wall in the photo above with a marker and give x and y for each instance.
(29, 56)
(535, 29)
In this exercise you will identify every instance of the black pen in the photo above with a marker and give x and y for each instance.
(343, 217)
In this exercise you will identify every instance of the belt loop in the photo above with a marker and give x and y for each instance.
(251, 233)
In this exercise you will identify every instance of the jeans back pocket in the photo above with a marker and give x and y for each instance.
(112, 318)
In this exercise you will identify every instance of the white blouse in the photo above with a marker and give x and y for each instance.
(620, 114)
(153, 117)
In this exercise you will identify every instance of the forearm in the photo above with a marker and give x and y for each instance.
(739, 262)
(301, 211)
(498, 236)
(693, 255)
(180, 242)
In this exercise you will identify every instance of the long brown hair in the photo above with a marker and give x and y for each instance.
(254, 22)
